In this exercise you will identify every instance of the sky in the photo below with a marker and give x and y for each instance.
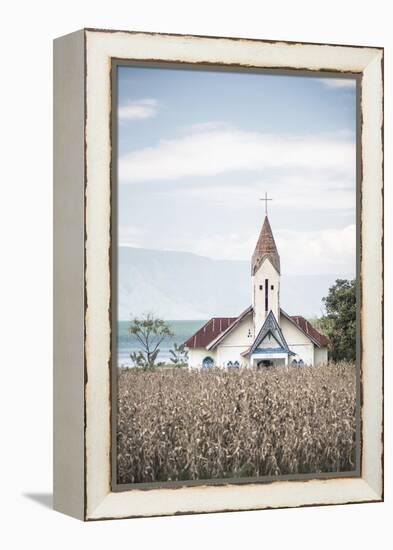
(198, 149)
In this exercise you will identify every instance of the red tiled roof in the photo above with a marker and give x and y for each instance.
(218, 325)
(309, 330)
(209, 332)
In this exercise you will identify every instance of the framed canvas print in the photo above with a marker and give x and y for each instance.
(218, 274)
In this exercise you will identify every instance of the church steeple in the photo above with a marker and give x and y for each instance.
(265, 248)
(265, 277)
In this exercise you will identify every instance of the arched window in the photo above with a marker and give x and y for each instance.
(229, 364)
(207, 363)
(236, 364)
(301, 362)
(294, 362)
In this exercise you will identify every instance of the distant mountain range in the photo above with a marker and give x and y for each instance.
(181, 285)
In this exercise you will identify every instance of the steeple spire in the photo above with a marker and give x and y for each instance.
(265, 248)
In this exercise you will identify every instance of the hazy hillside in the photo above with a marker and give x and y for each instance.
(180, 285)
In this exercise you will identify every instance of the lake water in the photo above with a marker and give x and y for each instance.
(127, 343)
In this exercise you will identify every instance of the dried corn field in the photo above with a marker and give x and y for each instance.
(174, 424)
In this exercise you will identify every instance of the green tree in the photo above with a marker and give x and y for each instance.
(339, 323)
(150, 332)
(179, 355)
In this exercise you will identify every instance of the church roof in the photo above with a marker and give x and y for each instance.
(270, 326)
(265, 248)
(217, 328)
(209, 332)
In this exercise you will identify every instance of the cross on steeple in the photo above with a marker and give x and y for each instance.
(266, 199)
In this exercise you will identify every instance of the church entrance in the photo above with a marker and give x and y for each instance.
(265, 363)
(268, 362)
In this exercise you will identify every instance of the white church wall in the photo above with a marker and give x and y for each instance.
(265, 271)
(292, 334)
(225, 354)
(197, 355)
(221, 356)
(305, 352)
(242, 335)
(297, 341)
(320, 356)
(237, 341)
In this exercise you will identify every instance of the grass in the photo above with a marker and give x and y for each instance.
(175, 424)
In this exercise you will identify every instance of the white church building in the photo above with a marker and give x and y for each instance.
(263, 334)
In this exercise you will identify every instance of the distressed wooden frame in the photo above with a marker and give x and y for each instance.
(82, 241)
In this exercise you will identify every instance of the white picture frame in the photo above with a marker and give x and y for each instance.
(82, 241)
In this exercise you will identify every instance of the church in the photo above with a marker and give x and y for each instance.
(264, 334)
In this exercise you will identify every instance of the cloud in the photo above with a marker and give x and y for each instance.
(138, 110)
(213, 151)
(316, 252)
(217, 173)
(302, 252)
(339, 83)
(290, 190)
(299, 191)
(204, 126)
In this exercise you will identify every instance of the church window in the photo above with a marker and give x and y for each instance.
(260, 287)
(233, 364)
(249, 335)
(207, 363)
(294, 362)
(272, 287)
(301, 362)
(266, 295)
